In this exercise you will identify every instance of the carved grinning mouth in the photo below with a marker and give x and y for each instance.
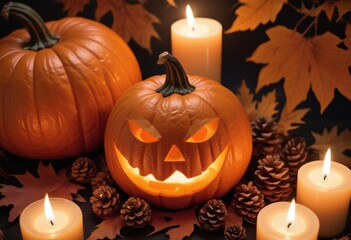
(177, 184)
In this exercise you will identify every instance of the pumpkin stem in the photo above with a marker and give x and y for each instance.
(40, 36)
(176, 79)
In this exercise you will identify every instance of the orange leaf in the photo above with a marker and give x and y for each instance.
(338, 143)
(184, 219)
(56, 185)
(108, 228)
(247, 100)
(347, 42)
(343, 7)
(316, 62)
(73, 7)
(255, 12)
(130, 21)
(267, 106)
(291, 120)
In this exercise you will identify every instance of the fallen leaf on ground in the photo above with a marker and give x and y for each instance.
(56, 185)
(130, 21)
(185, 219)
(303, 62)
(338, 143)
(108, 228)
(255, 12)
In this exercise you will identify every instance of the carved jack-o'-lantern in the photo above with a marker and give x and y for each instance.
(177, 140)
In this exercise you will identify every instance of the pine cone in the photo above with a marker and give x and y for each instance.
(136, 212)
(272, 179)
(105, 201)
(294, 154)
(248, 201)
(234, 232)
(101, 178)
(265, 137)
(83, 170)
(212, 215)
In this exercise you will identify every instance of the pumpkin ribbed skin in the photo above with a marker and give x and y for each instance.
(54, 102)
(173, 116)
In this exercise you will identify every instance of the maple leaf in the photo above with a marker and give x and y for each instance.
(73, 7)
(56, 185)
(291, 120)
(185, 219)
(347, 42)
(247, 100)
(232, 217)
(130, 21)
(265, 108)
(343, 7)
(109, 228)
(255, 12)
(303, 62)
(338, 144)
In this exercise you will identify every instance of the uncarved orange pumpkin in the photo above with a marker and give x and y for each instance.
(176, 140)
(59, 82)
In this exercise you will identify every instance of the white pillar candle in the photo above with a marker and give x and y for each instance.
(198, 46)
(327, 194)
(65, 224)
(273, 223)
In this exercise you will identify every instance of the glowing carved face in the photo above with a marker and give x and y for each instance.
(176, 184)
(178, 150)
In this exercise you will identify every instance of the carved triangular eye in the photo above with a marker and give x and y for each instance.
(143, 130)
(202, 130)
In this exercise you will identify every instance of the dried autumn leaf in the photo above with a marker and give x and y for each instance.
(130, 21)
(347, 42)
(303, 62)
(291, 120)
(73, 7)
(255, 12)
(267, 106)
(247, 100)
(329, 7)
(232, 217)
(338, 143)
(185, 219)
(343, 7)
(56, 185)
(109, 228)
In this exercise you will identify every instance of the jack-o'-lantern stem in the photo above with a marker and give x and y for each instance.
(40, 36)
(176, 79)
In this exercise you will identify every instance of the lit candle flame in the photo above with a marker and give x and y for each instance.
(290, 219)
(49, 213)
(190, 17)
(326, 165)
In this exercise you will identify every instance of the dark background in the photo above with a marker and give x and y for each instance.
(236, 48)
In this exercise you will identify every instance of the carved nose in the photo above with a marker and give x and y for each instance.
(174, 155)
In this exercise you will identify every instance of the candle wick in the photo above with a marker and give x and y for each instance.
(325, 177)
(52, 223)
(289, 224)
(193, 28)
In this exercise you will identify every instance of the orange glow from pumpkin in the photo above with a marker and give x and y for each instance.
(143, 130)
(202, 130)
(176, 185)
(174, 155)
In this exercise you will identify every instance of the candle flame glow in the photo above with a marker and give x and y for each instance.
(326, 164)
(290, 219)
(49, 213)
(190, 17)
